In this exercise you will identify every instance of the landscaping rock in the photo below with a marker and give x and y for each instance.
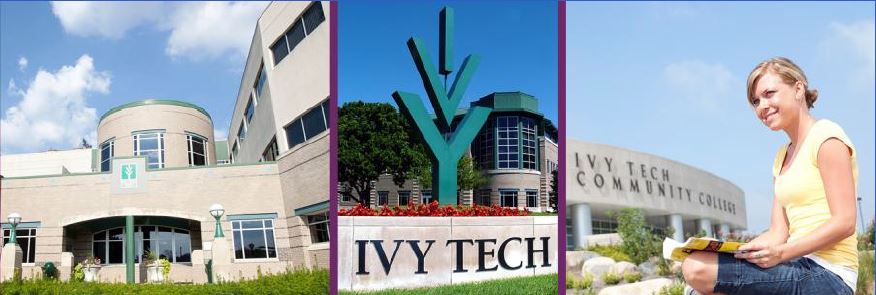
(648, 268)
(597, 266)
(643, 287)
(623, 267)
(676, 267)
(575, 259)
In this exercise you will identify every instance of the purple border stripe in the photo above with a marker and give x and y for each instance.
(561, 199)
(333, 149)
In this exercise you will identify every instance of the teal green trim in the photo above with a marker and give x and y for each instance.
(95, 161)
(508, 190)
(445, 41)
(154, 102)
(24, 225)
(129, 248)
(149, 131)
(309, 209)
(232, 217)
(195, 134)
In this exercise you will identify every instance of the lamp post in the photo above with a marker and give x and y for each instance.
(14, 219)
(861, 214)
(216, 210)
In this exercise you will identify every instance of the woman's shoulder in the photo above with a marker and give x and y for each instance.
(823, 130)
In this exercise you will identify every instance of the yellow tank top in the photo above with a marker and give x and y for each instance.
(801, 193)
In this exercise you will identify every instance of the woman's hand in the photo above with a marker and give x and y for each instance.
(761, 254)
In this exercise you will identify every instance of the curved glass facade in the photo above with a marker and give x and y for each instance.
(507, 142)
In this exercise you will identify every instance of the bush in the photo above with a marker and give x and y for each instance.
(638, 242)
(613, 252)
(676, 288)
(865, 240)
(865, 272)
(611, 278)
(632, 276)
(584, 283)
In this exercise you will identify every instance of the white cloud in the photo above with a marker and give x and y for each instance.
(13, 89)
(703, 85)
(212, 29)
(851, 46)
(105, 19)
(22, 63)
(198, 30)
(53, 111)
(220, 134)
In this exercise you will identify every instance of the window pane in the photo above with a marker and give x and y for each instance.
(294, 133)
(164, 233)
(183, 248)
(31, 254)
(25, 245)
(165, 249)
(279, 49)
(198, 145)
(241, 132)
(115, 252)
(272, 250)
(199, 160)
(254, 244)
(98, 250)
(252, 224)
(269, 224)
(313, 17)
(249, 110)
(238, 250)
(325, 113)
(295, 35)
(117, 234)
(260, 84)
(313, 123)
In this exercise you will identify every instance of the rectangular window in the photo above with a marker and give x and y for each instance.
(250, 110)
(26, 239)
(507, 142)
(483, 197)
(508, 198)
(241, 132)
(295, 35)
(280, 49)
(106, 155)
(254, 239)
(308, 126)
(233, 151)
(404, 198)
(531, 198)
(426, 196)
(484, 147)
(319, 228)
(529, 143)
(271, 152)
(303, 26)
(150, 145)
(313, 17)
(382, 198)
(260, 82)
(197, 150)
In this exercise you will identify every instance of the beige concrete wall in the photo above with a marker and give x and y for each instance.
(304, 173)
(46, 163)
(175, 120)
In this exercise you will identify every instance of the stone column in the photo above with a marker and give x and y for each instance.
(582, 224)
(10, 262)
(706, 225)
(677, 223)
(725, 230)
(222, 259)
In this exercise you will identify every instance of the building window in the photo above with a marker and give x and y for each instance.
(303, 26)
(26, 239)
(241, 132)
(404, 198)
(426, 196)
(484, 146)
(508, 145)
(253, 239)
(250, 109)
(109, 246)
(150, 145)
(551, 166)
(382, 198)
(169, 243)
(319, 228)
(106, 155)
(531, 198)
(271, 152)
(260, 82)
(508, 198)
(222, 162)
(529, 143)
(233, 152)
(197, 150)
(308, 126)
(483, 197)
(604, 226)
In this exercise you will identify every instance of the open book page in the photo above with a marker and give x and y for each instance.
(678, 251)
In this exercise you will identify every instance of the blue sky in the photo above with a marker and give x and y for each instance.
(517, 42)
(63, 65)
(669, 79)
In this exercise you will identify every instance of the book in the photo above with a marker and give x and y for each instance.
(678, 251)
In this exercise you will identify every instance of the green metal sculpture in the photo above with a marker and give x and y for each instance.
(446, 145)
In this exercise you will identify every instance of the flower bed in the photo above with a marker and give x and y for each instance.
(435, 210)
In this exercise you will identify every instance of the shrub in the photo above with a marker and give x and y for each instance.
(78, 273)
(433, 209)
(165, 268)
(676, 288)
(632, 276)
(613, 252)
(865, 240)
(584, 283)
(611, 278)
(638, 242)
(865, 272)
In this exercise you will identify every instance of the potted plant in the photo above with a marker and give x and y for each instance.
(154, 272)
(90, 268)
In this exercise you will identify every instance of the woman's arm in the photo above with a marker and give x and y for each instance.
(777, 234)
(834, 164)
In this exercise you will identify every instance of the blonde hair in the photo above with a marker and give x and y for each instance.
(789, 72)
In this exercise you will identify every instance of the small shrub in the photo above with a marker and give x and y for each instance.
(78, 273)
(570, 280)
(613, 252)
(638, 241)
(584, 283)
(165, 268)
(632, 276)
(676, 288)
(611, 278)
(865, 272)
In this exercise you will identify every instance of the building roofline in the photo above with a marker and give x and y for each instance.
(146, 102)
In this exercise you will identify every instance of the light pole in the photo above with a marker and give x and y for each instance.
(861, 214)
(216, 210)
(14, 219)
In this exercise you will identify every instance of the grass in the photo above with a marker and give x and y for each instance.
(865, 272)
(613, 252)
(291, 282)
(543, 284)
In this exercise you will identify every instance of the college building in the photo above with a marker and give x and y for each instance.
(155, 179)
(601, 179)
(512, 149)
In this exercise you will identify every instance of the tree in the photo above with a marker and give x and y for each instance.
(638, 241)
(552, 195)
(84, 144)
(467, 176)
(373, 139)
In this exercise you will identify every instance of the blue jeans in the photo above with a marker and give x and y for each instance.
(798, 276)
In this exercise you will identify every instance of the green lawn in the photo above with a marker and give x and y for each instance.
(543, 284)
(293, 282)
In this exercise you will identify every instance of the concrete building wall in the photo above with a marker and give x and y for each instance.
(46, 163)
(176, 122)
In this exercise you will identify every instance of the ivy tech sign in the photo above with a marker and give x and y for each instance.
(128, 175)
(446, 145)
